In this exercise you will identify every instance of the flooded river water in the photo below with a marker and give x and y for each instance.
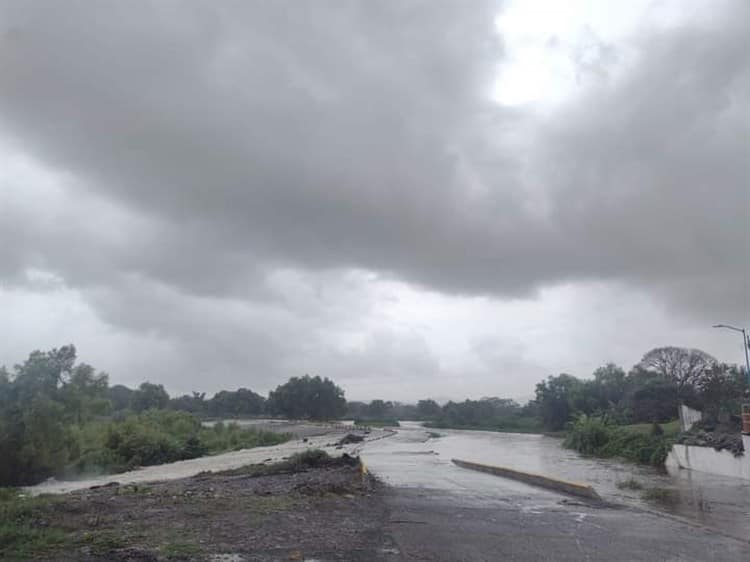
(411, 458)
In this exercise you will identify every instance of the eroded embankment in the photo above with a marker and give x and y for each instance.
(223, 461)
(314, 508)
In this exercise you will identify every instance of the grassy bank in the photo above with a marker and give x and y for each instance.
(155, 437)
(640, 443)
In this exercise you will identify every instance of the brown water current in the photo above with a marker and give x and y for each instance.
(718, 502)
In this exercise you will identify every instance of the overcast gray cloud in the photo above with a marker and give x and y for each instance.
(240, 180)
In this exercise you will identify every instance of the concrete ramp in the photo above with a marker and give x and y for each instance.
(571, 488)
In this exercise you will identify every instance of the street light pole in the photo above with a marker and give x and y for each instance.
(745, 345)
(745, 406)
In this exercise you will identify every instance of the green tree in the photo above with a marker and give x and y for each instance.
(34, 433)
(378, 409)
(721, 392)
(684, 367)
(308, 398)
(554, 398)
(85, 393)
(149, 396)
(120, 397)
(194, 403)
(238, 403)
(655, 401)
(428, 409)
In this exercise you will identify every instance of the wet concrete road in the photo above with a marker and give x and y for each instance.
(433, 525)
(441, 512)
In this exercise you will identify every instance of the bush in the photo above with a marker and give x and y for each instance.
(630, 484)
(232, 437)
(588, 435)
(156, 437)
(593, 436)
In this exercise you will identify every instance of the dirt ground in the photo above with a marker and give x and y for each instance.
(329, 513)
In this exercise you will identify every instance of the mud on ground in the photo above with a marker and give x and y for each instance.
(332, 512)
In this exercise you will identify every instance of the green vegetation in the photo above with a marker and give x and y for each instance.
(518, 424)
(669, 429)
(630, 484)
(632, 415)
(613, 414)
(20, 534)
(596, 436)
(61, 418)
(308, 398)
(298, 462)
(489, 414)
(156, 437)
(57, 419)
(375, 422)
(663, 495)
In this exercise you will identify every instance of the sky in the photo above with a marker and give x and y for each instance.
(414, 198)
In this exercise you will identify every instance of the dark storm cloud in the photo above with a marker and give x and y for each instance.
(650, 177)
(252, 136)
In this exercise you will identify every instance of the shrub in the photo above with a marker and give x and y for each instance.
(630, 484)
(593, 436)
(588, 435)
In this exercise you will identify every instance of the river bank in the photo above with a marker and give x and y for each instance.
(422, 507)
(309, 507)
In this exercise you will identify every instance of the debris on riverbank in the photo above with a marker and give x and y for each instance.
(310, 506)
(721, 438)
(350, 438)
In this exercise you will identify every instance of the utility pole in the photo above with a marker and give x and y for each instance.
(745, 345)
(746, 406)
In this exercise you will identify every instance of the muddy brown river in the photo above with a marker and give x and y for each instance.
(410, 459)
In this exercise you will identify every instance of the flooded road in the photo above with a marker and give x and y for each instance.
(413, 460)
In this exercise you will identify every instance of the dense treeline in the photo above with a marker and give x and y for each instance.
(604, 416)
(489, 413)
(650, 392)
(381, 412)
(61, 418)
(241, 403)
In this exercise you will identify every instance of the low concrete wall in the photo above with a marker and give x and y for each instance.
(707, 459)
(688, 417)
(572, 488)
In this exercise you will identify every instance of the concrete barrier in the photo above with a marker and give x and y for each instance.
(572, 488)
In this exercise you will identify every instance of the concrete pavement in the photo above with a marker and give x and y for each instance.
(432, 525)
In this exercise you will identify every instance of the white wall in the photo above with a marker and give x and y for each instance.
(688, 416)
(706, 459)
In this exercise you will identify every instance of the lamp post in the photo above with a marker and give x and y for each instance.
(745, 345)
(746, 406)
